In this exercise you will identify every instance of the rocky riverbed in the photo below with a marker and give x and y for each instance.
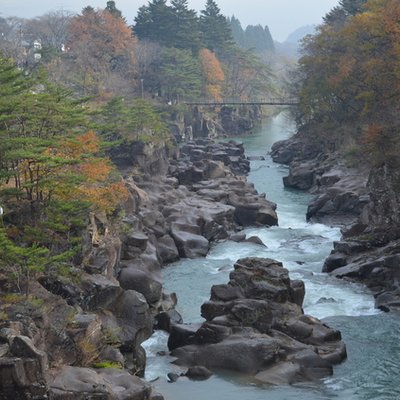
(363, 200)
(81, 337)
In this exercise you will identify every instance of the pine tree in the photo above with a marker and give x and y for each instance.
(352, 7)
(337, 17)
(214, 27)
(113, 10)
(180, 75)
(237, 31)
(258, 38)
(186, 33)
(155, 22)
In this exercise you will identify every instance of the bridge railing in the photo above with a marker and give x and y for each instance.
(238, 101)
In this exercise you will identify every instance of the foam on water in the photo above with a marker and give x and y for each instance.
(302, 248)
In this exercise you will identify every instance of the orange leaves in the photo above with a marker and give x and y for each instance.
(95, 170)
(211, 66)
(102, 29)
(97, 186)
(103, 51)
(105, 198)
(89, 142)
(372, 135)
(212, 72)
(82, 174)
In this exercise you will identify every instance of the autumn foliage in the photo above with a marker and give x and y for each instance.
(93, 181)
(103, 48)
(213, 74)
(349, 74)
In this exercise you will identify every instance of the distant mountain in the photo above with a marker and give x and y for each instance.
(299, 33)
(290, 47)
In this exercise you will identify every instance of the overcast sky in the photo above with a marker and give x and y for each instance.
(281, 16)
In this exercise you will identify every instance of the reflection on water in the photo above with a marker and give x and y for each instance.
(372, 370)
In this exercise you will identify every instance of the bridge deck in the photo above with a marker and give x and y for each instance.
(238, 102)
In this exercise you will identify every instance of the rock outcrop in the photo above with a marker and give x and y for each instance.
(340, 191)
(365, 200)
(370, 249)
(221, 121)
(203, 199)
(255, 325)
(100, 313)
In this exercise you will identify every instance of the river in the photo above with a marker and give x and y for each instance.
(372, 370)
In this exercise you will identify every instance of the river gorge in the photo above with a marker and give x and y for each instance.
(370, 371)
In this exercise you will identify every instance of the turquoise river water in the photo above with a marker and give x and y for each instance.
(372, 370)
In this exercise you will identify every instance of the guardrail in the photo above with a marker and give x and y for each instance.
(260, 101)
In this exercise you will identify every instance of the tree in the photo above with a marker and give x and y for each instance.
(351, 72)
(34, 115)
(148, 57)
(102, 53)
(11, 45)
(258, 38)
(113, 10)
(247, 75)
(352, 7)
(51, 29)
(213, 74)
(237, 31)
(24, 263)
(347, 8)
(170, 26)
(180, 75)
(51, 174)
(186, 34)
(214, 27)
(155, 22)
(125, 122)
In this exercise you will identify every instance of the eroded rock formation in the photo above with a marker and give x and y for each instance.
(255, 325)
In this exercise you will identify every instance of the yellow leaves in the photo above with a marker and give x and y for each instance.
(89, 141)
(96, 169)
(212, 72)
(105, 198)
(75, 148)
(212, 68)
(83, 175)
(214, 91)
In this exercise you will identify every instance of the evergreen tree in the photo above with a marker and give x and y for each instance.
(237, 31)
(180, 75)
(214, 27)
(352, 7)
(186, 33)
(126, 122)
(112, 9)
(258, 38)
(347, 8)
(155, 22)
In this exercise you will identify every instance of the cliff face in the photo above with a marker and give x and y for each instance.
(61, 341)
(383, 211)
(364, 200)
(213, 122)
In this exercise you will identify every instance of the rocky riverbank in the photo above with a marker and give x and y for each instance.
(79, 335)
(364, 200)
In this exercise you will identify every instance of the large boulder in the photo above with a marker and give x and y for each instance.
(22, 370)
(255, 325)
(73, 383)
